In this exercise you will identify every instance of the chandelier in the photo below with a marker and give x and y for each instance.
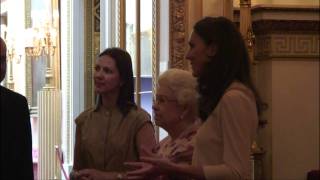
(41, 41)
(12, 55)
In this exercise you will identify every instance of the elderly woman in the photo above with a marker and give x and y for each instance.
(175, 111)
(229, 105)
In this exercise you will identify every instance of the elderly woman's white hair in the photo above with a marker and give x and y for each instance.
(182, 84)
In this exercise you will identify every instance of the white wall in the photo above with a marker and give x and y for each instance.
(281, 2)
(291, 137)
(295, 118)
(296, 2)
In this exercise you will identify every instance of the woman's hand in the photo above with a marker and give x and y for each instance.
(149, 167)
(161, 164)
(93, 174)
(143, 170)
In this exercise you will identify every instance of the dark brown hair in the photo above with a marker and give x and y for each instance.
(230, 63)
(124, 65)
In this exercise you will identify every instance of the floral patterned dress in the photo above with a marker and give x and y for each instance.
(179, 150)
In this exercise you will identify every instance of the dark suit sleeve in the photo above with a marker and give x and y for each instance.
(26, 142)
(16, 140)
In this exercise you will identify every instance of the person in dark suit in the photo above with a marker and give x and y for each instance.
(16, 141)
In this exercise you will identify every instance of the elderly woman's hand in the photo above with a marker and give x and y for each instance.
(149, 167)
(93, 174)
(142, 170)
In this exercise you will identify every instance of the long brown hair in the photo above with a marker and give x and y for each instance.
(124, 64)
(230, 63)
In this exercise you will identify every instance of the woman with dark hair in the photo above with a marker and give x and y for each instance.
(228, 105)
(115, 130)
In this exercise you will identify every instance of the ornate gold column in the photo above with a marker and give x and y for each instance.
(122, 24)
(57, 66)
(246, 30)
(138, 55)
(178, 33)
(91, 46)
(155, 50)
(183, 15)
(246, 26)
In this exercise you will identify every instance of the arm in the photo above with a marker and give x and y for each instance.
(77, 165)
(146, 140)
(189, 170)
(238, 118)
(88, 174)
(78, 172)
(26, 138)
(237, 115)
(150, 165)
(74, 174)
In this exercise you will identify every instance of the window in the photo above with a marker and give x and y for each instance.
(133, 25)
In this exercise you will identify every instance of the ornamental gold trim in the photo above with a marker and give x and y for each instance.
(178, 33)
(155, 49)
(91, 47)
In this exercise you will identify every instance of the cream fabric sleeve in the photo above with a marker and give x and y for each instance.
(238, 116)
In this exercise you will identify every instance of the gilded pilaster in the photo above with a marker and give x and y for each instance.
(122, 23)
(178, 33)
(91, 46)
(246, 26)
(155, 49)
(56, 59)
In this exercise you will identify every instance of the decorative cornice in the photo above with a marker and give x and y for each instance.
(178, 33)
(283, 8)
(280, 8)
(285, 26)
(283, 18)
(285, 32)
(284, 46)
